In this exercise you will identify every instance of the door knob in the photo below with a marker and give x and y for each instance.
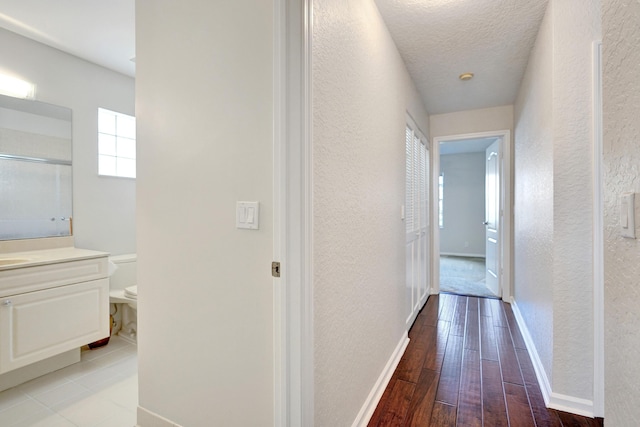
(485, 222)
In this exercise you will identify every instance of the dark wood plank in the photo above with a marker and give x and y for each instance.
(448, 306)
(541, 415)
(470, 396)
(421, 406)
(398, 404)
(382, 403)
(443, 415)
(488, 346)
(571, 420)
(450, 374)
(459, 322)
(472, 333)
(516, 336)
(494, 411)
(497, 313)
(508, 361)
(411, 363)
(485, 308)
(436, 347)
(430, 311)
(466, 370)
(518, 407)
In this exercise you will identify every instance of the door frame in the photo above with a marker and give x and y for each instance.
(293, 381)
(506, 208)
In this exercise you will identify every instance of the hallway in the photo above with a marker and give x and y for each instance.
(467, 365)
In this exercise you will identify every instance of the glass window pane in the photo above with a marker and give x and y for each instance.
(126, 167)
(126, 126)
(127, 148)
(106, 144)
(106, 165)
(106, 122)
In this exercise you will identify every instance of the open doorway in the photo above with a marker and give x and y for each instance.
(471, 236)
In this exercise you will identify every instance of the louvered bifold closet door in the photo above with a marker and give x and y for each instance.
(416, 222)
(410, 228)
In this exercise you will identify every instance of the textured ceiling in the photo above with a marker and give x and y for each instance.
(100, 31)
(441, 39)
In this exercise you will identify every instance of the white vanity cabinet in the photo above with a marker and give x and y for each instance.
(52, 303)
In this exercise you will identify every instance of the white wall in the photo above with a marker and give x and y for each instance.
(103, 208)
(463, 204)
(553, 198)
(621, 21)
(204, 108)
(472, 121)
(533, 200)
(361, 93)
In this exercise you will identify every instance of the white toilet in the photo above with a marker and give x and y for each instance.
(123, 295)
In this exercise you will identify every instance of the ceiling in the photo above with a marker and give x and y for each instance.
(100, 31)
(441, 39)
(438, 39)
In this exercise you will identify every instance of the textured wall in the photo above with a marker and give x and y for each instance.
(361, 93)
(463, 201)
(204, 100)
(471, 121)
(103, 208)
(533, 200)
(621, 92)
(576, 27)
(553, 196)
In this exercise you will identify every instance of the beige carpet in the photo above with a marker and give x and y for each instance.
(463, 276)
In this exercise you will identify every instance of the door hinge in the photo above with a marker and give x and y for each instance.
(275, 269)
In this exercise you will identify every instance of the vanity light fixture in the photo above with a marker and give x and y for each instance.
(465, 76)
(16, 88)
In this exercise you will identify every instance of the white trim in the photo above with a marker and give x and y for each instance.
(147, 418)
(560, 402)
(541, 374)
(367, 410)
(460, 254)
(506, 206)
(292, 244)
(573, 405)
(598, 237)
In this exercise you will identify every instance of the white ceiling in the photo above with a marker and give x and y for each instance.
(438, 39)
(100, 31)
(441, 39)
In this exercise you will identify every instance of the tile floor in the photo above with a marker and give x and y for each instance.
(99, 391)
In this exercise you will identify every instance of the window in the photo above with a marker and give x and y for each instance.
(440, 198)
(116, 144)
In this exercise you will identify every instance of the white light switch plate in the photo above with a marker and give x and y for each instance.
(627, 215)
(248, 215)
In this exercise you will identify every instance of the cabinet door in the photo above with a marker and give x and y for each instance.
(38, 325)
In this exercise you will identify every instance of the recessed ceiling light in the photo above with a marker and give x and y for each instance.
(466, 76)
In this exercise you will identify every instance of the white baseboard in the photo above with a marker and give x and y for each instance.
(146, 418)
(560, 402)
(366, 412)
(460, 254)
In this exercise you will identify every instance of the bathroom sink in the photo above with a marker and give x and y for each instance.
(11, 261)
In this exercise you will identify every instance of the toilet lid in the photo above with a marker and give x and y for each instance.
(131, 292)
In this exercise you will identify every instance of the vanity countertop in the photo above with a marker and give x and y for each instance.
(13, 260)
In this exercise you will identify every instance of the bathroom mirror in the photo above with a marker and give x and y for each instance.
(35, 170)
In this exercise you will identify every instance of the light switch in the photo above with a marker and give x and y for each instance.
(248, 215)
(627, 215)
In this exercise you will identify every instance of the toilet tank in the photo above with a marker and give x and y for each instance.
(125, 274)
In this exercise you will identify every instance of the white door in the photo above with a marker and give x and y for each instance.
(492, 217)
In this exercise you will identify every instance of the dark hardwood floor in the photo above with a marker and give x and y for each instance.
(467, 365)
